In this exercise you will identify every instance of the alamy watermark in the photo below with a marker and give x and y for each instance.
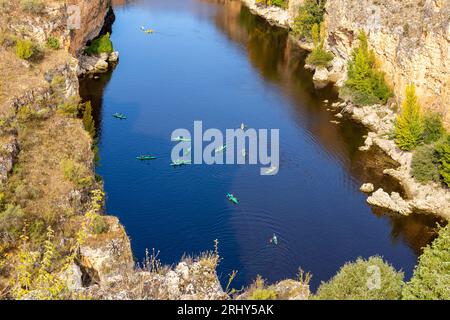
(236, 146)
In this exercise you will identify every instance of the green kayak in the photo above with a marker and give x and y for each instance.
(221, 148)
(119, 116)
(232, 198)
(144, 158)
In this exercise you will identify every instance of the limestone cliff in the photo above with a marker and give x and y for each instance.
(411, 40)
(410, 37)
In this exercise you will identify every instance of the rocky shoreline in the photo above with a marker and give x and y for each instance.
(379, 120)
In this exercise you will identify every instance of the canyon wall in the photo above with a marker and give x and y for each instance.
(411, 40)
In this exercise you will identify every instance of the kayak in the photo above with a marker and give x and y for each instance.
(148, 31)
(181, 139)
(232, 198)
(144, 158)
(274, 240)
(243, 126)
(119, 116)
(244, 153)
(221, 148)
(187, 152)
(179, 163)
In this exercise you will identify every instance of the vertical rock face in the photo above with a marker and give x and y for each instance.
(92, 18)
(411, 40)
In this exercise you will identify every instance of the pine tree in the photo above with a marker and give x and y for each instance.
(365, 82)
(88, 120)
(409, 127)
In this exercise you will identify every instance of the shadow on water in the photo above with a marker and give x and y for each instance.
(215, 61)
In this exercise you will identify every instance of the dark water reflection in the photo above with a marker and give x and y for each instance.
(215, 61)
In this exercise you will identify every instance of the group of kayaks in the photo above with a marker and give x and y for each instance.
(178, 163)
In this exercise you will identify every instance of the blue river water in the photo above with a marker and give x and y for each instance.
(216, 62)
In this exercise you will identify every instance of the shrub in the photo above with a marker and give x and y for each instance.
(32, 6)
(319, 57)
(433, 127)
(53, 43)
(353, 281)
(99, 224)
(277, 3)
(409, 127)
(24, 49)
(263, 294)
(311, 12)
(258, 291)
(425, 164)
(76, 173)
(431, 279)
(365, 84)
(88, 120)
(443, 155)
(100, 45)
(11, 223)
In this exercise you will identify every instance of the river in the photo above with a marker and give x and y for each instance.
(216, 62)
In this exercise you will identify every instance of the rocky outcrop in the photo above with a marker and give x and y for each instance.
(275, 15)
(429, 198)
(189, 280)
(413, 50)
(89, 65)
(92, 17)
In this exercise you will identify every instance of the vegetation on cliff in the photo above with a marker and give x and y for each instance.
(371, 279)
(319, 57)
(310, 13)
(365, 84)
(431, 279)
(100, 45)
(277, 3)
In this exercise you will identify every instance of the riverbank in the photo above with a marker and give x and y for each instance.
(379, 120)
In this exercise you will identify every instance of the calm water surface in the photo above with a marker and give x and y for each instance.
(216, 62)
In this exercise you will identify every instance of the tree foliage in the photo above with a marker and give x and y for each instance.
(88, 120)
(365, 84)
(371, 279)
(100, 45)
(409, 127)
(310, 13)
(431, 279)
(443, 154)
(424, 164)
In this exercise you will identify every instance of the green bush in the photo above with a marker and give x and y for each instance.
(431, 279)
(354, 280)
(53, 43)
(11, 223)
(88, 120)
(433, 127)
(311, 12)
(24, 49)
(365, 84)
(99, 224)
(263, 294)
(76, 173)
(443, 155)
(425, 164)
(409, 126)
(319, 57)
(100, 45)
(32, 6)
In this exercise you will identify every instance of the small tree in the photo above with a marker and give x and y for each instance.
(88, 120)
(24, 49)
(365, 83)
(431, 279)
(311, 12)
(424, 165)
(443, 152)
(409, 127)
(433, 127)
(371, 279)
(319, 57)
